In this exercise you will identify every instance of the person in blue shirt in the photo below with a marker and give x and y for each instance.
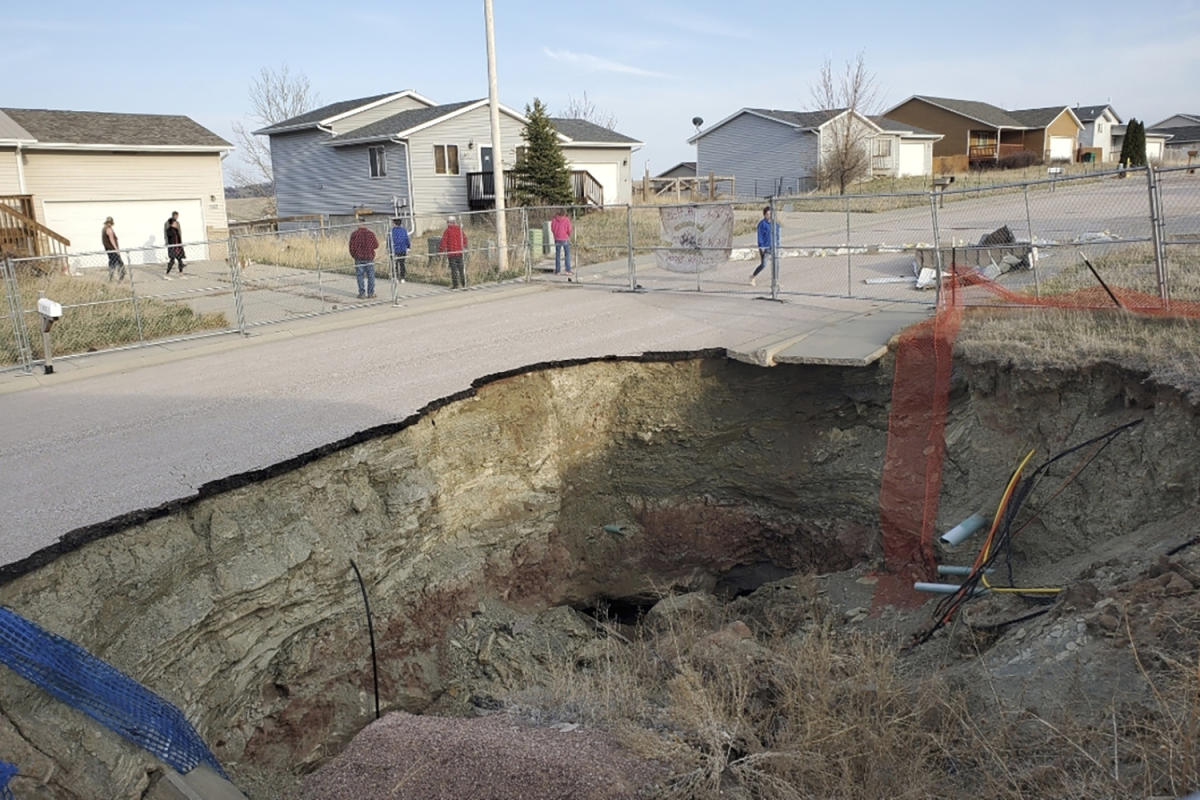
(764, 242)
(400, 245)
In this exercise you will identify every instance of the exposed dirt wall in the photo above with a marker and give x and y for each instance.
(240, 605)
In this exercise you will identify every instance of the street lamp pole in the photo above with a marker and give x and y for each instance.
(497, 157)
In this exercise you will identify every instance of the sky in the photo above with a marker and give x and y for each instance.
(653, 66)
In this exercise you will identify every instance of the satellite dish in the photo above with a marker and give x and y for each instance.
(697, 121)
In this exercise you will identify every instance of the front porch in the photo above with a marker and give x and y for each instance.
(481, 189)
(989, 146)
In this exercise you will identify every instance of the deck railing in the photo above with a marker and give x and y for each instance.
(22, 236)
(481, 189)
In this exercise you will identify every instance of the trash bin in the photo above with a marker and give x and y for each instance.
(547, 240)
(434, 243)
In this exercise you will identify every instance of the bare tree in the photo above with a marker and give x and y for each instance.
(275, 95)
(846, 147)
(584, 109)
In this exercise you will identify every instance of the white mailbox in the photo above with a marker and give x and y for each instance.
(49, 309)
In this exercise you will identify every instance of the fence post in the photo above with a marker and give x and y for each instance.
(137, 312)
(937, 248)
(20, 332)
(317, 261)
(1156, 235)
(629, 246)
(849, 258)
(235, 275)
(525, 245)
(774, 233)
(1037, 285)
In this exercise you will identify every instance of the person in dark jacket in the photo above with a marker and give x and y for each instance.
(454, 242)
(108, 240)
(362, 250)
(400, 245)
(174, 238)
(764, 242)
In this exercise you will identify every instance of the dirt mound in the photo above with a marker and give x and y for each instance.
(489, 758)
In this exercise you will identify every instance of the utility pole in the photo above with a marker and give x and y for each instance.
(497, 158)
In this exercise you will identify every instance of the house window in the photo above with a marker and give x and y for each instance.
(445, 159)
(883, 148)
(521, 154)
(378, 161)
(1099, 127)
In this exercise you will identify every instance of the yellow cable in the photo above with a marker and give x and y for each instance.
(987, 544)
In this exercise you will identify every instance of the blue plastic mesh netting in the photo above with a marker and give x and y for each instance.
(104, 693)
(7, 771)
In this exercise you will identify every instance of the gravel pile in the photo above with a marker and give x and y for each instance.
(487, 758)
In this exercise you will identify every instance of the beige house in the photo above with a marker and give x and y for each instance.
(63, 172)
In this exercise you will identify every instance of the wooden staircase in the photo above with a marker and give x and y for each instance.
(22, 236)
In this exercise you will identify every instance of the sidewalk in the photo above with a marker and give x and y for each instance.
(112, 433)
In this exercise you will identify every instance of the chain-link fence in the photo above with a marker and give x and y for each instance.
(116, 299)
(1137, 229)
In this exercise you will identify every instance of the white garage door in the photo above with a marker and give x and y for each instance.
(606, 174)
(1062, 148)
(912, 158)
(138, 223)
(1154, 150)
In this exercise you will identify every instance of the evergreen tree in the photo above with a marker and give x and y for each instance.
(1133, 148)
(542, 176)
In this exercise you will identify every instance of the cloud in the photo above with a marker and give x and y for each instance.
(597, 64)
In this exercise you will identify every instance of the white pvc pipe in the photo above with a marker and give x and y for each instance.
(949, 569)
(944, 588)
(962, 530)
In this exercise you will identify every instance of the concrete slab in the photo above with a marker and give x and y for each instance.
(852, 341)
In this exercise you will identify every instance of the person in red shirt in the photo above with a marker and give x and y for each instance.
(362, 249)
(454, 242)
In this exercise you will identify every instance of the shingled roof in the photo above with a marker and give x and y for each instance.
(801, 119)
(981, 112)
(310, 119)
(105, 128)
(398, 123)
(580, 130)
(1037, 117)
(1090, 113)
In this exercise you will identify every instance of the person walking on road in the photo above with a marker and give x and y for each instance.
(454, 242)
(560, 228)
(108, 240)
(174, 238)
(400, 245)
(764, 242)
(362, 249)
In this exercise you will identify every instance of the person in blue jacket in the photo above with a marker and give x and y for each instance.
(400, 245)
(764, 242)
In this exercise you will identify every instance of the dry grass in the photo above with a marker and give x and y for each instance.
(99, 315)
(823, 713)
(1168, 349)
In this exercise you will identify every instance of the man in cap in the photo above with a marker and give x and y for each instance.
(454, 243)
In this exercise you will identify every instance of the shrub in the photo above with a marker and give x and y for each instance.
(1018, 160)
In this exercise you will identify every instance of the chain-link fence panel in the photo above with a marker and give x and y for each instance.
(114, 299)
(1046, 237)
(438, 259)
(1179, 191)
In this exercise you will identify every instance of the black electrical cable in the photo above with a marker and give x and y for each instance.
(370, 632)
(950, 604)
(995, 626)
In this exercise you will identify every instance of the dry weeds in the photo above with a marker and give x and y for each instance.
(100, 315)
(825, 713)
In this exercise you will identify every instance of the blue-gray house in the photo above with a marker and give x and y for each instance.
(401, 151)
(769, 151)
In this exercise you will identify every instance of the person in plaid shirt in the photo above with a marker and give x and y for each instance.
(362, 249)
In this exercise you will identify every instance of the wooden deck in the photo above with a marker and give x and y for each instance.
(481, 189)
